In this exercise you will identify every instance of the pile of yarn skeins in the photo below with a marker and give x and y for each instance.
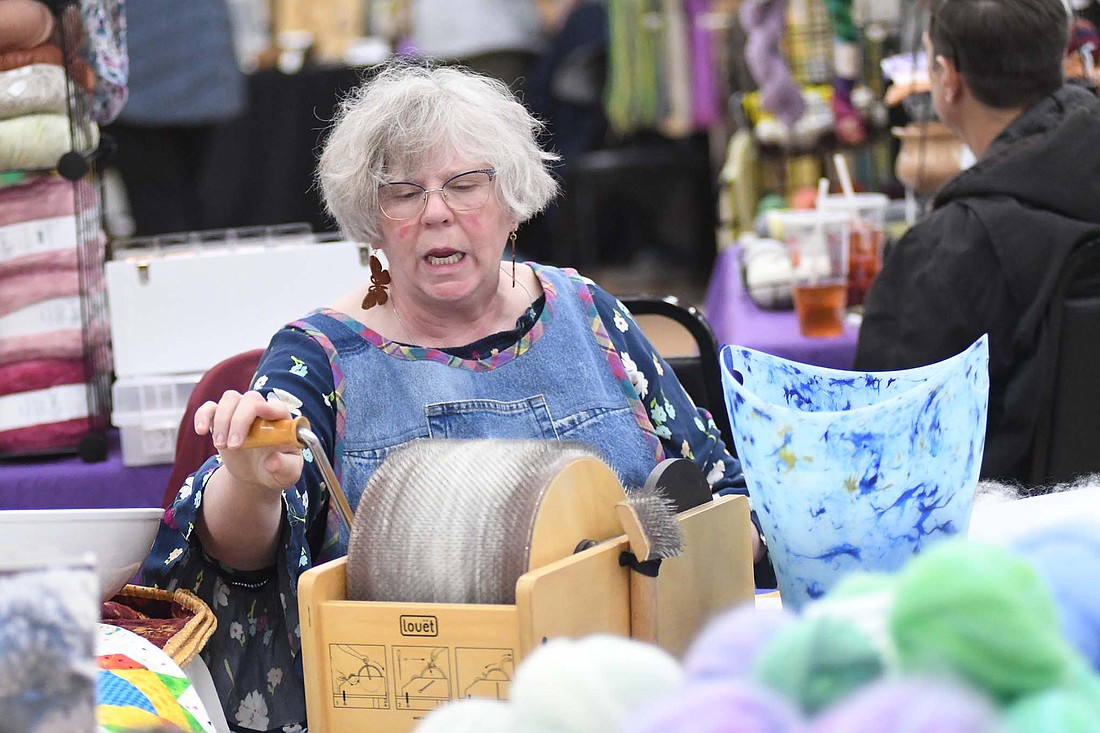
(968, 637)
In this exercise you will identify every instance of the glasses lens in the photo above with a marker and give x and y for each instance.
(400, 200)
(468, 191)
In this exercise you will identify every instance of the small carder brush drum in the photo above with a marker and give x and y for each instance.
(459, 521)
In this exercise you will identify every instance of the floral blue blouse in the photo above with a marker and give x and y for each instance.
(254, 653)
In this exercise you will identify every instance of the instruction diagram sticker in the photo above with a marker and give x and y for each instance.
(422, 675)
(358, 676)
(485, 673)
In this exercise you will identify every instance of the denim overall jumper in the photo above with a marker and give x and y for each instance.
(555, 383)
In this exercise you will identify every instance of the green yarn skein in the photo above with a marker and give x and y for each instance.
(982, 613)
(1052, 711)
(816, 661)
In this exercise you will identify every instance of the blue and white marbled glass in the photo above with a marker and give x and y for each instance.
(855, 470)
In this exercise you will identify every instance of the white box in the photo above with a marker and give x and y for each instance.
(180, 307)
(147, 412)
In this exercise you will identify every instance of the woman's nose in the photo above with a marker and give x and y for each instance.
(436, 205)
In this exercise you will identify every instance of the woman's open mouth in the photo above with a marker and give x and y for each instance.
(442, 259)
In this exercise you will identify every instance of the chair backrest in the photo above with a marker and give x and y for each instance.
(698, 372)
(192, 450)
(1067, 435)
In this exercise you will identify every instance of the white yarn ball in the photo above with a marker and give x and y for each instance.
(469, 716)
(589, 685)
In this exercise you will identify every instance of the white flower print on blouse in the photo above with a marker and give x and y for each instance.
(253, 711)
(659, 417)
(636, 376)
(620, 322)
(260, 382)
(281, 395)
(221, 593)
(274, 677)
(657, 365)
(717, 471)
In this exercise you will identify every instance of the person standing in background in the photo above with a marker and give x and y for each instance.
(184, 80)
(498, 38)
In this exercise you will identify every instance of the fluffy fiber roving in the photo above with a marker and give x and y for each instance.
(910, 705)
(817, 661)
(982, 613)
(728, 646)
(719, 706)
(1068, 560)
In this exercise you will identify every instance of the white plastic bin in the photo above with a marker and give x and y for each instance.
(147, 413)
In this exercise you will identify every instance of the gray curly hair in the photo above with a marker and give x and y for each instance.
(408, 110)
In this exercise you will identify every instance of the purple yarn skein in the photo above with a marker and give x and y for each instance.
(910, 705)
(718, 706)
(728, 646)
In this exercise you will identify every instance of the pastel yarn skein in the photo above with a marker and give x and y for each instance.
(719, 706)
(1067, 557)
(589, 685)
(764, 22)
(729, 645)
(981, 613)
(910, 705)
(817, 661)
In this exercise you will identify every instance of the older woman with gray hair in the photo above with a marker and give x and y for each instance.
(436, 168)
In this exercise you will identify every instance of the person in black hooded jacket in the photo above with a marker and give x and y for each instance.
(984, 260)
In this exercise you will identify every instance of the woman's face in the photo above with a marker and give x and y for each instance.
(444, 254)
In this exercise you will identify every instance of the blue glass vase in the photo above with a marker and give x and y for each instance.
(855, 470)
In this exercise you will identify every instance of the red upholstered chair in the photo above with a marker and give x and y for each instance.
(191, 449)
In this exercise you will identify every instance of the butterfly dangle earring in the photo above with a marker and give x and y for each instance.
(379, 278)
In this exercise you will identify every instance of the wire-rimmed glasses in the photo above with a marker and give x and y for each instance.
(464, 192)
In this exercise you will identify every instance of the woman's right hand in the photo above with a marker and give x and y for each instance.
(228, 421)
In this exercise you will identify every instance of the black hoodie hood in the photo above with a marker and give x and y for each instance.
(1046, 159)
(1036, 191)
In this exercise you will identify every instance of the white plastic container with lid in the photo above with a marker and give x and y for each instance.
(182, 303)
(147, 412)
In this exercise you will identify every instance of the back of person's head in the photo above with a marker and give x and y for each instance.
(407, 113)
(1009, 51)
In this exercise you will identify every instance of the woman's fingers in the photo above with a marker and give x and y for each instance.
(204, 417)
(223, 416)
(228, 421)
(251, 406)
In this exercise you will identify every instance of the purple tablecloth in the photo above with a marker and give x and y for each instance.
(70, 483)
(737, 320)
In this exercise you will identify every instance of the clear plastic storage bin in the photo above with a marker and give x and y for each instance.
(147, 413)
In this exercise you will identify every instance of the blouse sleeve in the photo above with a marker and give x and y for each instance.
(685, 430)
(294, 369)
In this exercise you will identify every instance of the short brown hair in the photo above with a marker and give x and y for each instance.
(1009, 51)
